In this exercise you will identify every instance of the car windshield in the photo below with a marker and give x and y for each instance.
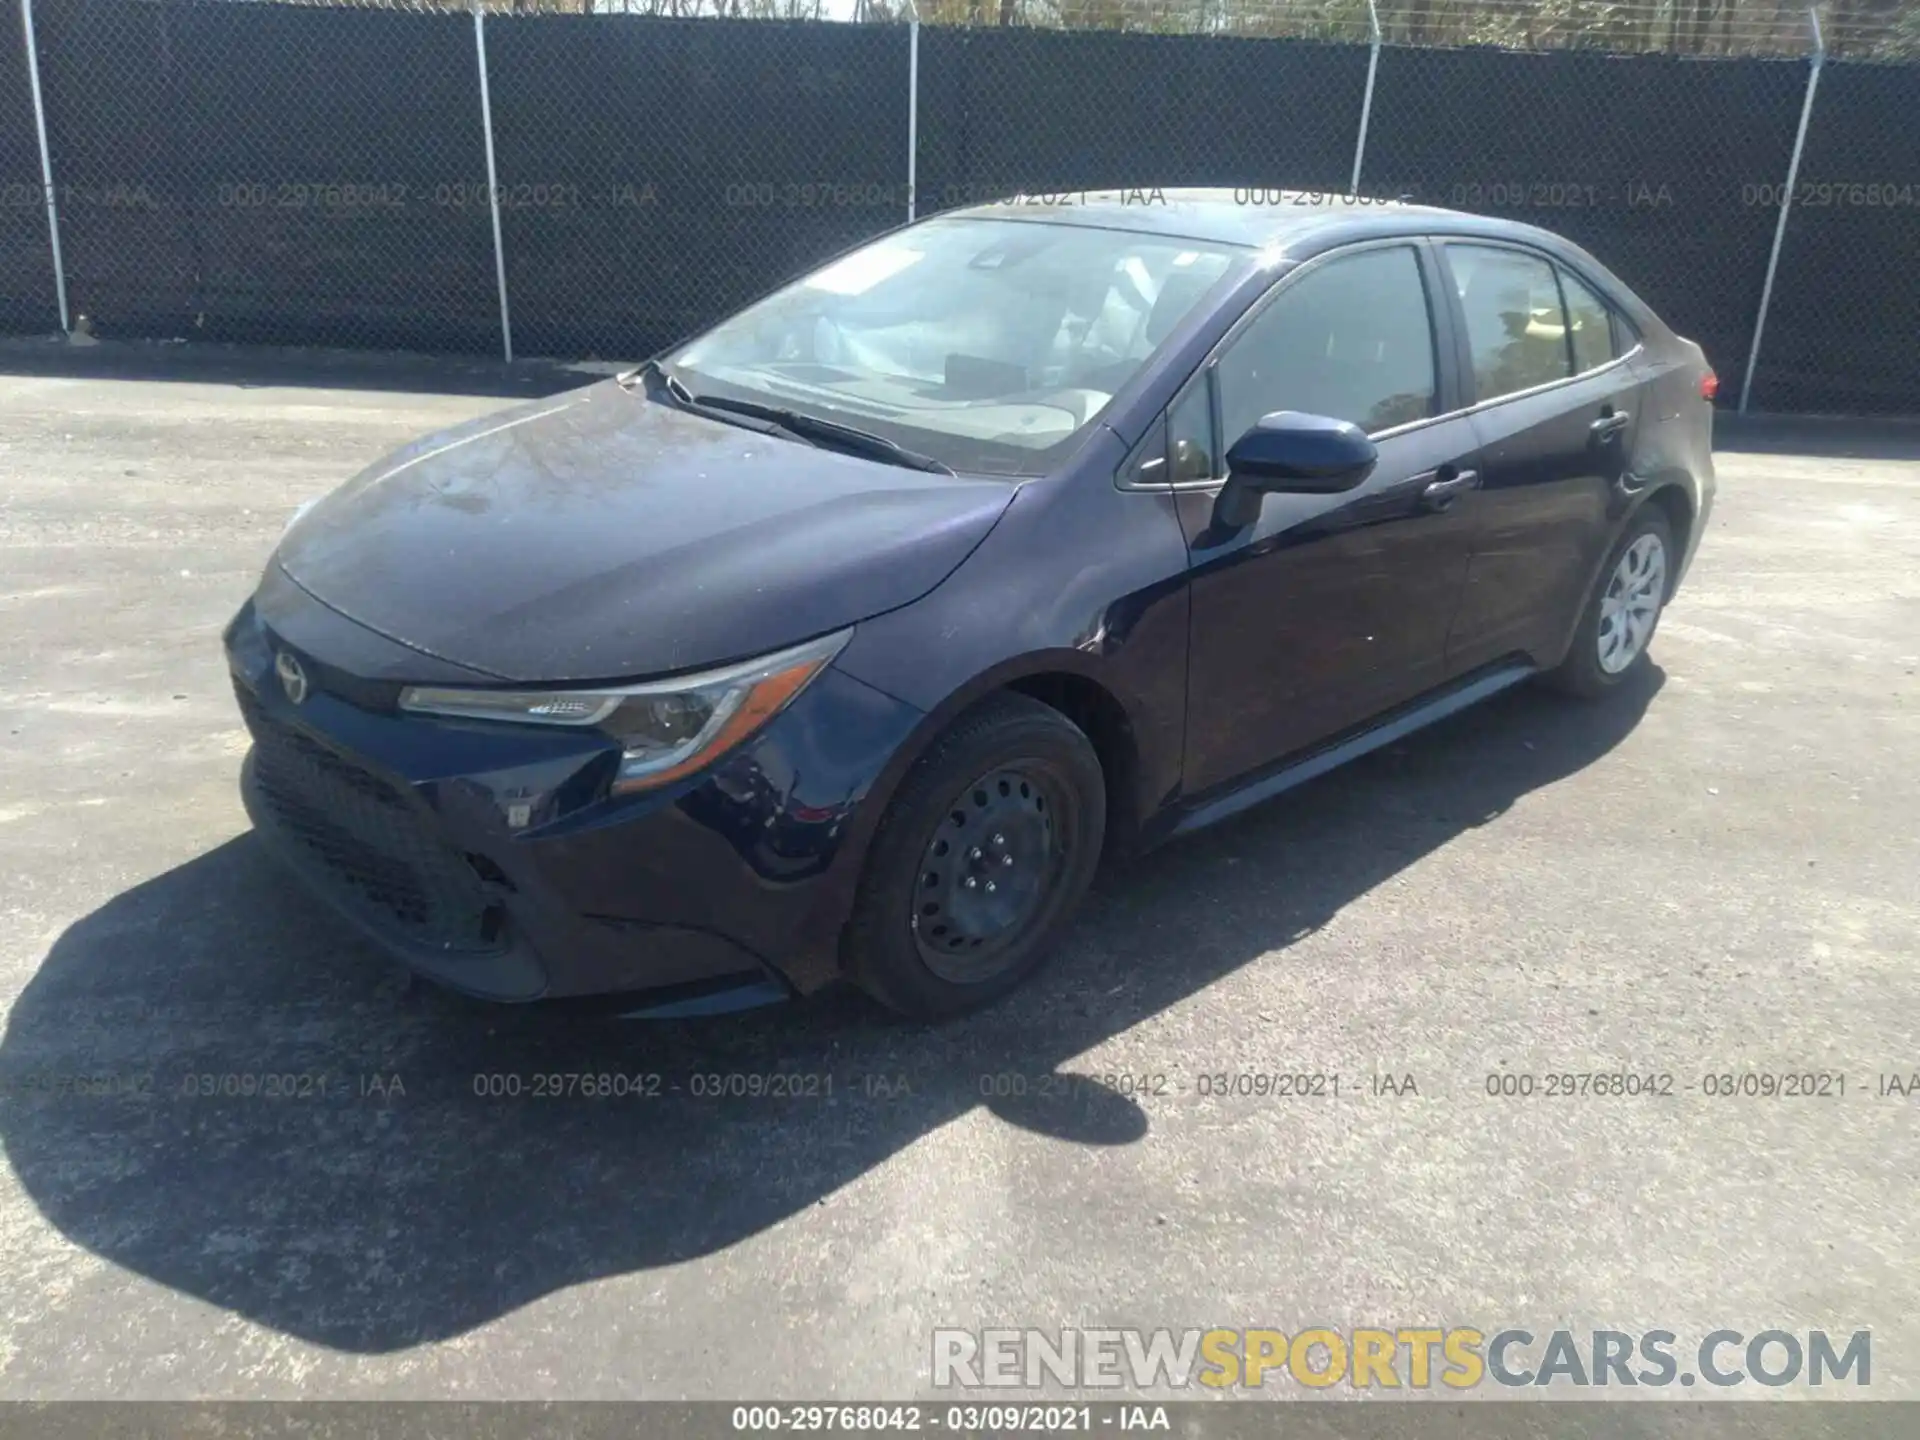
(988, 345)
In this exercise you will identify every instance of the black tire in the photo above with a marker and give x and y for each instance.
(1011, 757)
(1581, 673)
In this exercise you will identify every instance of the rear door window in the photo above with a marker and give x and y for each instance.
(1516, 326)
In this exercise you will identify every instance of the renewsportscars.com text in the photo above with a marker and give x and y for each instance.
(1398, 1357)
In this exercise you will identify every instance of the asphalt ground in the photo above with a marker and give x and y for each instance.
(1717, 873)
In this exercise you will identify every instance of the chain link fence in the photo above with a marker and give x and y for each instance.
(1015, 111)
(26, 256)
(656, 174)
(269, 173)
(1843, 331)
(1643, 160)
(574, 178)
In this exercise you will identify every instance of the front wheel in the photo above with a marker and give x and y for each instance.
(981, 859)
(1625, 610)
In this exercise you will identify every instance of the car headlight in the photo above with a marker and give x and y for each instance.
(666, 728)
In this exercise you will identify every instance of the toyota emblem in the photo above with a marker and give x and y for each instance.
(293, 679)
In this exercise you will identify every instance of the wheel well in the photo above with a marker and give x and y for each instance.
(1103, 720)
(1679, 511)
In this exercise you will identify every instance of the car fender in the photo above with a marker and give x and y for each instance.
(1115, 617)
(1628, 503)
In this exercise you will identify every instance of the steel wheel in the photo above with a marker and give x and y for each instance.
(987, 871)
(1029, 822)
(1631, 603)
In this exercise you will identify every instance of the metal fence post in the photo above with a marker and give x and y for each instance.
(1366, 104)
(913, 110)
(493, 182)
(46, 161)
(1786, 205)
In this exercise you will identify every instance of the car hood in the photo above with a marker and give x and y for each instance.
(602, 535)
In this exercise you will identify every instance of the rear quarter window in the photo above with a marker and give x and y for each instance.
(1590, 325)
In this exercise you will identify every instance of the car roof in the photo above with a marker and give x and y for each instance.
(1292, 222)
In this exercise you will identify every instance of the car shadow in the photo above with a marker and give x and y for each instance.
(397, 1201)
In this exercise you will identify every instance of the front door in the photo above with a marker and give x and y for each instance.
(1330, 608)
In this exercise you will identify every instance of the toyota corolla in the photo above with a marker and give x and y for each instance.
(841, 641)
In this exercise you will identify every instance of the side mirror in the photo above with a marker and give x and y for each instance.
(1291, 453)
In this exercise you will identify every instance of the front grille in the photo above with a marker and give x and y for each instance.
(366, 841)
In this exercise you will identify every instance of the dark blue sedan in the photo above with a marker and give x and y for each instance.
(842, 640)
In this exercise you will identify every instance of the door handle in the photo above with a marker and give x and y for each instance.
(1610, 424)
(1441, 493)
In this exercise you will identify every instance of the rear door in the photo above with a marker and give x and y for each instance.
(1556, 403)
(1329, 608)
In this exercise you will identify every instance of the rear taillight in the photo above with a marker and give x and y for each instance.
(1709, 385)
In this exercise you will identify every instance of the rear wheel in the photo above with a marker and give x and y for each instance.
(982, 857)
(1620, 619)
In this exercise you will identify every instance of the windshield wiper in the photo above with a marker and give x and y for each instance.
(826, 433)
(777, 420)
(654, 371)
(659, 382)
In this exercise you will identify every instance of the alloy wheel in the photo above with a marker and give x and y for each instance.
(1632, 602)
